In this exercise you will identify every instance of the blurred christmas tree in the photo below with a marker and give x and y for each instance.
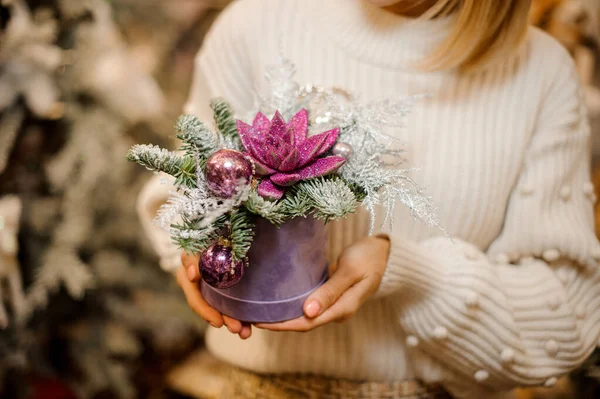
(85, 302)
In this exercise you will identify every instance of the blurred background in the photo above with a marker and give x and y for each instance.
(85, 310)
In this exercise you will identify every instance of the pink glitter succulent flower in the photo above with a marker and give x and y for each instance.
(284, 155)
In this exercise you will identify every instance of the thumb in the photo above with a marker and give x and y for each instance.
(327, 294)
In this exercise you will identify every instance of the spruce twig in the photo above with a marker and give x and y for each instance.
(199, 142)
(326, 198)
(155, 158)
(224, 118)
(158, 159)
(194, 239)
(270, 210)
(329, 197)
(242, 233)
(296, 203)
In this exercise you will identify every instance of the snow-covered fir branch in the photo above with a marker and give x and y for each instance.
(155, 159)
(158, 159)
(330, 198)
(198, 205)
(271, 210)
(241, 232)
(297, 203)
(192, 240)
(198, 140)
(224, 118)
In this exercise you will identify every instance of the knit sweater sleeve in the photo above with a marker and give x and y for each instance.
(527, 309)
(219, 71)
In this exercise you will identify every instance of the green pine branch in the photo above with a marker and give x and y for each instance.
(158, 159)
(198, 140)
(155, 158)
(224, 118)
(192, 238)
(190, 246)
(329, 197)
(242, 233)
(359, 192)
(187, 173)
(326, 198)
(296, 203)
(270, 210)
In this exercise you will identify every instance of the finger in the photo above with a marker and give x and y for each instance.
(188, 260)
(233, 325)
(246, 331)
(332, 269)
(301, 324)
(326, 295)
(190, 263)
(345, 307)
(196, 301)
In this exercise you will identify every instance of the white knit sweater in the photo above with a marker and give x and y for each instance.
(514, 299)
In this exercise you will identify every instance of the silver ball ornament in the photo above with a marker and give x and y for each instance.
(344, 150)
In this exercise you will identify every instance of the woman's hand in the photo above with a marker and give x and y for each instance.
(357, 276)
(187, 277)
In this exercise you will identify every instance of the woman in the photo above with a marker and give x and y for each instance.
(502, 141)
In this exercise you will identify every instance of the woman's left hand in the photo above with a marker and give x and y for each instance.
(357, 276)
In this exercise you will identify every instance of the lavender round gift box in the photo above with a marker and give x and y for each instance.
(286, 265)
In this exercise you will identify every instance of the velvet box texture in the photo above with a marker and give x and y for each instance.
(286, 264)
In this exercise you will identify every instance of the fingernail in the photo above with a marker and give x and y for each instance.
(213, 324)
(312, 309)
(191, 273)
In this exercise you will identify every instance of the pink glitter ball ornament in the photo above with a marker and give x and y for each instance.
(284, 155)
(226, 172)
(217, 267)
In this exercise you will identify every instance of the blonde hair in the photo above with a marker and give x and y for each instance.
(484, 30)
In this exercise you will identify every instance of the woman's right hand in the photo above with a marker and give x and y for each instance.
(188, 277)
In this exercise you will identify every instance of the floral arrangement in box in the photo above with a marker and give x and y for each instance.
(253, 196)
